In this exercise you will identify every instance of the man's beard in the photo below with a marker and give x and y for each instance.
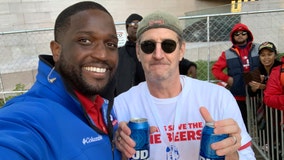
(241, 42)
(72, 75)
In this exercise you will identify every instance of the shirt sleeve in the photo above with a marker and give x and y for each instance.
(120, 109)
(273, 94)
(219, 66)
(246, 154)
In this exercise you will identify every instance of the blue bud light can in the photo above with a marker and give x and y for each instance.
(140, 133)
(207, 138)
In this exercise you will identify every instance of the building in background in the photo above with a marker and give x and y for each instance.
(37, 14)
(27, 28)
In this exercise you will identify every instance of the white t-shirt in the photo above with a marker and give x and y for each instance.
(178, 119)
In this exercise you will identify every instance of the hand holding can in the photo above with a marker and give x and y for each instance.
(140, 133)
(207, 138)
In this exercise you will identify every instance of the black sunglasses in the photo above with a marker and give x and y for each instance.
(240, 33)
(149, 46)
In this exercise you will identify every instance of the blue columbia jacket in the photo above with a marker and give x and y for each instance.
(49, 123)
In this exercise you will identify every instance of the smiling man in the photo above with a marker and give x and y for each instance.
(67, 113)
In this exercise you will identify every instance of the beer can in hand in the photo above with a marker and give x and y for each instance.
(207, 138)
(140, 133)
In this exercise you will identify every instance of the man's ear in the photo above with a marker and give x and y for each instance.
(56, 50)
(182, 50)
(137, 51)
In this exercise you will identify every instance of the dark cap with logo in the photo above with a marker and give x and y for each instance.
(267, 45)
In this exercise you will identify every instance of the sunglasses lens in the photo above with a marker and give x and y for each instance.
(148, 47)
(240, 33)
(169, 46)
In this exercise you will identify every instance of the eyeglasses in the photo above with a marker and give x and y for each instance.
(240, 33)
(149, 46)
(132, 24)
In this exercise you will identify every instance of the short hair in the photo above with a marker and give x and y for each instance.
(184, 65)
(63, 20)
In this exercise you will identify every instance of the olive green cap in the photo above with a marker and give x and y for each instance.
(159, 19)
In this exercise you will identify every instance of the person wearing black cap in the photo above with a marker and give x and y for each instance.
(257, 79)
(129, 72)
(273, 93)
(268, 60)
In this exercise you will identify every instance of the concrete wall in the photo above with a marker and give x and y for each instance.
(35, 14)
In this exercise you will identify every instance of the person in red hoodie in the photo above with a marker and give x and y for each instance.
(274, 92)
(242, 57)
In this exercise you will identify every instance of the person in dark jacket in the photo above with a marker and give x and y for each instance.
(129, 71)
(66, 115)
(241, 58)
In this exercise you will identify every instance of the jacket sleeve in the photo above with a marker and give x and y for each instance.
(219, 66)
(274, 94)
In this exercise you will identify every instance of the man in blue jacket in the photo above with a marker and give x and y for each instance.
(67, 113)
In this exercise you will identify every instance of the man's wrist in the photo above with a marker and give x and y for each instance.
(233, 156)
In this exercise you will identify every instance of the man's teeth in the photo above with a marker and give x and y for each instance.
(95, 69)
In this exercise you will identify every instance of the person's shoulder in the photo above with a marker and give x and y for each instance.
(255, 46)
(276, 69)
(122, 51)
(206, 85)
(206, 89)
(32, 107)
(138, 88)
(135, 90)
(121, 48)
(195, 82)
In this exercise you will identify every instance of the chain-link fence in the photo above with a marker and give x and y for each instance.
(206, 36)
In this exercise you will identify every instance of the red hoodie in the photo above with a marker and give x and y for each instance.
(274, 91)
(221, 63)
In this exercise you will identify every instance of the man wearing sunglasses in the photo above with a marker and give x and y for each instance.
(242, 57)
(176, 106)
(129, 72)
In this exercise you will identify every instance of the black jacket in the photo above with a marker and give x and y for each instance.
(129, 71)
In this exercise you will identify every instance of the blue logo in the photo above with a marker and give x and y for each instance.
(172, 153)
